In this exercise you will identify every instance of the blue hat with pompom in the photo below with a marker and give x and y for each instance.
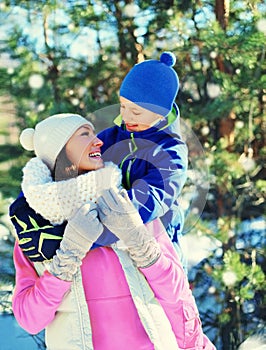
(152, 84)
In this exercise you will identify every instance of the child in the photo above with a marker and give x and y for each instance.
(146, 142)
(107, 298)
(147, 146)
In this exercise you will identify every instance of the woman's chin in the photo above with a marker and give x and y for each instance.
(98, 164)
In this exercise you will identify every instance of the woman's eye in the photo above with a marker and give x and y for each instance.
(85, 134)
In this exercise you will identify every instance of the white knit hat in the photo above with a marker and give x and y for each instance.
(51, 134)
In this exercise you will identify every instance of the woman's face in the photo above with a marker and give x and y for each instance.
(83, 150)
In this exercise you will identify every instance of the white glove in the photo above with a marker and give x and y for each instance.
(120, 216)
(81, 232)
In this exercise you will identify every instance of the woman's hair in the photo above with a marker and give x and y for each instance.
(63, 168)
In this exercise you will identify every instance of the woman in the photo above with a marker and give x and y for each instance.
(133, 294)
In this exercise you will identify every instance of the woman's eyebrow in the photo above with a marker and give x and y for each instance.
(87, 127)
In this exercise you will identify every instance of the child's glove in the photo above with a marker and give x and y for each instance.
(81, 232)
(120, 216)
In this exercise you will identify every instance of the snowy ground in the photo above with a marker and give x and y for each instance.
(13, 337)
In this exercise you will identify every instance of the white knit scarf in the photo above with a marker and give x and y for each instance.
(57, 201)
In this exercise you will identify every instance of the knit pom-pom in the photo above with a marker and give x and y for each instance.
(26, 139)
(168, 58)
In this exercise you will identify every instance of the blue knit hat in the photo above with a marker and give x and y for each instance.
(152, 84)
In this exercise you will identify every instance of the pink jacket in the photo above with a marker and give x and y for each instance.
(113, 316)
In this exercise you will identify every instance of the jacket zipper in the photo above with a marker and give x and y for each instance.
(131, 151)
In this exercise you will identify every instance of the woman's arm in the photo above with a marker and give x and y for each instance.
(166, 276)
(148, 245)
(171, 288)
(36, 298)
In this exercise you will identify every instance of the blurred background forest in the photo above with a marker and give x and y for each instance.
(60, 56)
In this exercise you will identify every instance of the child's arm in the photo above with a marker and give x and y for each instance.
(153, 174)
(35, 298)
(166, 173)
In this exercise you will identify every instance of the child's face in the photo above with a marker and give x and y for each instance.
(83, 150)
(137, 118)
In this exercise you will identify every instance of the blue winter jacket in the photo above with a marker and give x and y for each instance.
(154, 168)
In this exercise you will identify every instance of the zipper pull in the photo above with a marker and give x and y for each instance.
(130, 147)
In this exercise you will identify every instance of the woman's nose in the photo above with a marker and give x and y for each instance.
(97, 142)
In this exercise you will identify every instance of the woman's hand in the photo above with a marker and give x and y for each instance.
(81, 232)
(120, 216)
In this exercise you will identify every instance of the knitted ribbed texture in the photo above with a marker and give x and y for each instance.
(58, 201)
(51, 135)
